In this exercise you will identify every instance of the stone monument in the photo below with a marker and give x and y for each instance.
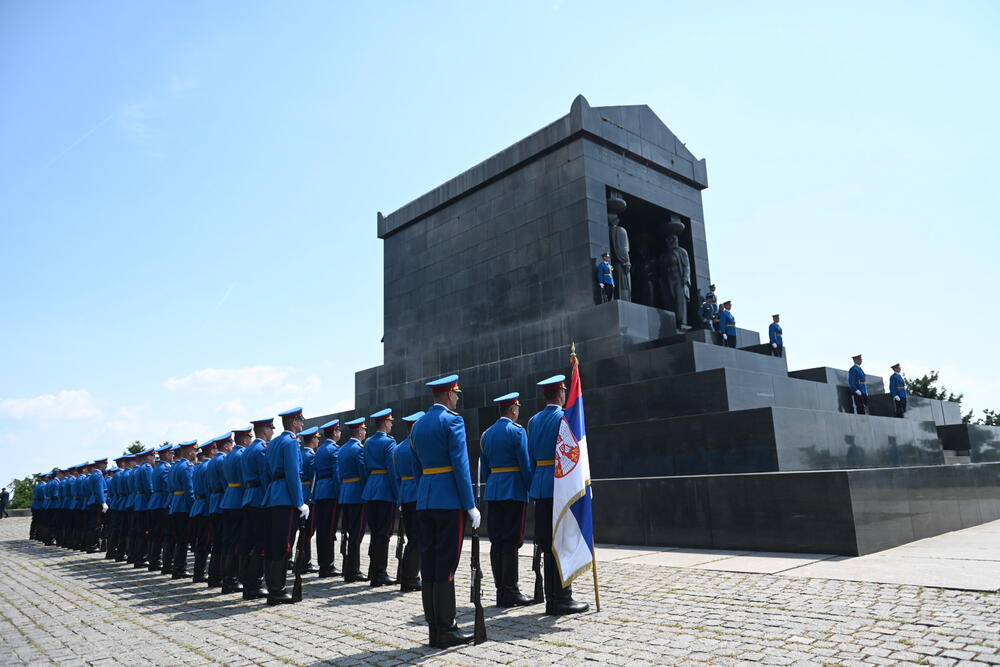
(619, 247)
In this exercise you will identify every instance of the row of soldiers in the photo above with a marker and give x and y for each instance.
(239, 501)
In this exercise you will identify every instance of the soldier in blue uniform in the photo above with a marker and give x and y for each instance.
(727, 325)
(161, 548)
(505, 470)
(284, 503)
(706, 314)
(858, 386)
(181, 480)
(327, 496)
(309, 441)
(543, 431)
(380, 497)
(444, 497)
(404, 469)
(215, 476)
(97, 505)
(353, 474)
(711, 297)
(142, 484)
(606, 278)
(234, 564)
(114, 519)
(897, 389)
(201, 527)
(128, 515)
(37, 499)
(774, 336)
(253, 536)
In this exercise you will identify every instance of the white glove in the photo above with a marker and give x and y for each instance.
(475, 517)
(104, 507)
(725, 337)
(774, 345)
(857, 391)
(896, 397)
(304, 511)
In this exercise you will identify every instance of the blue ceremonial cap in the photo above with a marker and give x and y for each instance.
(104, 460)
(508, 399)
(360, 421)
(267, 420)
(447, 383)
(414, 417)
(165, 448)
(187, 443)
(289, 413)
(228, 435)
(175, 448)
(553, 382)
(381, 413)
(144, 452)
(112, 469)
(244, 429)
(330, 424)
(312, 430)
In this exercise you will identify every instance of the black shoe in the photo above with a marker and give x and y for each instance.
(508, 594)
(381, 579)
(139, 564)
(448, 632)
(276, 576)
(231, 586)
(558, 600)
(180, 575)
(563, 607)
(310, 569)
(155, 567)
(327, 573)
(411, 586)
(351, 577)
(451, 637)
(253, 593)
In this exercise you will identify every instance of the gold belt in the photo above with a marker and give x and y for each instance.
(378, 471)
(506, 469)
(347, 480)
(439, 470)
(235, 485)
(178, 493)
(406, 478)
(307, 482)
(544, 463)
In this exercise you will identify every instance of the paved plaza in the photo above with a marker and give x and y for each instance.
(658, 607)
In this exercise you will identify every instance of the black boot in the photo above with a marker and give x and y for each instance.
(230, 582)
(200, 564)
(141, 547)
(448, 632)
(254, 583)
(324, 555)
(379, 564)
(352, 564)
(112, 547)
(558, 600)
(124, 545)
(308, 568)
(215, 568)
(180, 561)
(496, 561)
(168, 557)
(153, 556)
(512, 596)
(427, 597)
(276, 576)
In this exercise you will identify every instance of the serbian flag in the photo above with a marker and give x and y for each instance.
(572, 518)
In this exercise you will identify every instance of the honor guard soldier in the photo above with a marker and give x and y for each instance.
(142, 484)
(327, 495)
(254, 536)
(727, 325)
(284, 502)
(201, 527)
(97, 505)
(706, 313)
(404, 467)
(380, 497)
(161, 548)
(234, 563)
(37, 499)
(543, 432)
(309, 440)
(114, 524)
(858, 386)
(444, 496)
(774, 336)
(897, 389)
(128, 515)
(506, 472)
(215, 475)
(351, 467)
(606, 278)
(181, 500)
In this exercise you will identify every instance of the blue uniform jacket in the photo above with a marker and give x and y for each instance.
(381, 484)
(442, 453)
(215, 478)
(897, 385)
(200, 505)
(79, 491)
(774, 333)
(38, 496)
(503, 462)
(112, 482)
(181, 487)
(98, 488)
(543, 430)
(856, 380)
(352, 471)
(161, 487)
(307, 474)
(404, 470)
(52, 494)
(327, 485)
(706, 313)
(605, 274)
(143, 487)
(128, 489)
(232, 497)
(727, 323)
(285, 488)
(255, 475)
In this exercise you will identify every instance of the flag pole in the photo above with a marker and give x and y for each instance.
(593, 554)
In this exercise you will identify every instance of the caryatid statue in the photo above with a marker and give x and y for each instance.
(675, 272)
(619, 246)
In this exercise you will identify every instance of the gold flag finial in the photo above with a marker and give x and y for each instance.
(572, 354)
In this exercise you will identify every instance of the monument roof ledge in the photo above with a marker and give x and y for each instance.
(634, 129)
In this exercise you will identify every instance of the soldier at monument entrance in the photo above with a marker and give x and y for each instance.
(351, 468)
(606, 278)
(406, 482)
(727, 325)
(858, 386)
(380, 497)
(254, 533)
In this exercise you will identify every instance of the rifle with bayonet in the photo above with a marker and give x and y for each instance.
(399, 548)
(536, 567)
(300, 560)
(479, 633)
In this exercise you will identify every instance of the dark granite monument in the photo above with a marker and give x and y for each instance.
(492, 276)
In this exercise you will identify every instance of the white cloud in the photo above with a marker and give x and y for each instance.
(231, 380)
(67, 404)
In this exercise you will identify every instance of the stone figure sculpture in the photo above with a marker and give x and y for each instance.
(619, 247)
(675, 272)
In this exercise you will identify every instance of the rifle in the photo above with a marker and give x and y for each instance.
(479, 634)
(300, 562)
(536, 567)
(399, 548)
(343, 539)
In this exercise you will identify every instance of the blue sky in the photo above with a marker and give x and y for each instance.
(188, 191)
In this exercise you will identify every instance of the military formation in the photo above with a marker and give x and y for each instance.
(228, 511)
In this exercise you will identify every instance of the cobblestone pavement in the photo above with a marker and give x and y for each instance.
(69, 608)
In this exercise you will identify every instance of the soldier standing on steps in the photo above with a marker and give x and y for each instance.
(858, 385)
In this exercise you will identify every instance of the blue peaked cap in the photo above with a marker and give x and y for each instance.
(330, 424)
(187, 443)
(507, 398)
(414, 417)
(554, 380)
(165, 448)
(444, 383)
(289, 413)
(355, 422)
(381, 413)
(312, 430)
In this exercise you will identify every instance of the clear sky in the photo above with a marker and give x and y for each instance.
(188, 191)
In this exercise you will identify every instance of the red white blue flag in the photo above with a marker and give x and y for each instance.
(572, 500)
